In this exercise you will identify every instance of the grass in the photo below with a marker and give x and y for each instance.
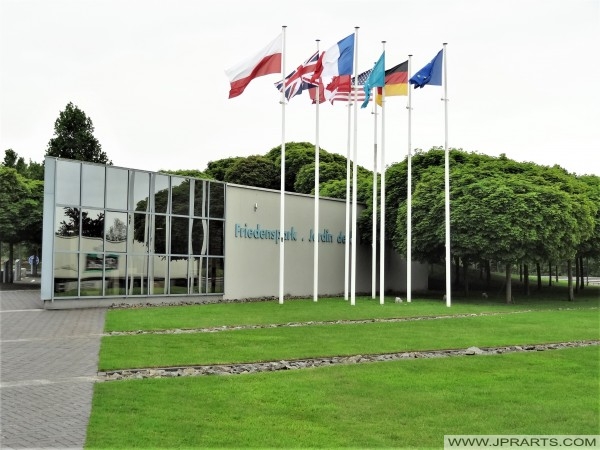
(399, 404)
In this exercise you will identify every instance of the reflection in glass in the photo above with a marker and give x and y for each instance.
(199, 199)
(141, 190)
(215, 282)
(199, 236)
(178, 275)
(198, 275)
(116, 188)
(160, 234)
(67, 182)
(180, 196)
(116, 231)
(215, 238)
(180, 227)
(92, 185)
(65, 274)
(90, 274)
(92, 230)
(139, 237)
(137, 271)
(114, 270)
(66, 237)
(159, 275)
(161, 193)
(217, 200)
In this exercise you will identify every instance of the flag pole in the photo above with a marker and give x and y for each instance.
(374, 223)
(354, 172)
(382, 199)
(347, 239)
(316, 227)
(282, 195)
(409, 196)
(447, 183)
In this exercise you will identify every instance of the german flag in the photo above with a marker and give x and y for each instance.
(396, 82)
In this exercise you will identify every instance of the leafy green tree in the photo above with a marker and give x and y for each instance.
(305, 179)
(218, 169)
(192, 173)
(254, 171)
(33, 170)
(74, 137)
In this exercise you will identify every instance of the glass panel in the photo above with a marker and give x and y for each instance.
(114, 274)
(141, 190)
(67, 229)
(91, 273)
(159, 275)
(65, 274)
(92, 185)
(198, 275)
(161, 193)
(217, 200)
(67, 182)
(198, 236)
(160, 234)
(139, 237)
(180, 227)
(178, 275)
(199, 200)
(92, 230)
(215, 276)
(180, 196)
(137, 280)
(215, 238)
(116, 231)
(116, 188)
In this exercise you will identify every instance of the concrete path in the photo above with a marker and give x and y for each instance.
(48, 366)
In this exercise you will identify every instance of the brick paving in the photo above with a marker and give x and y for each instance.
(48, 367)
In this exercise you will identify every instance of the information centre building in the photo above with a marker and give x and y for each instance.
(114, 235)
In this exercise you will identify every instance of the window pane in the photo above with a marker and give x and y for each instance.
(178, 275)
(137, 281)
(215, 238)
(161, 193)
(141, 190)
(92, 230)
(67, 229)
(116, 231)
(198, 275)
(65, 274)
(160, 234)
(139, 237)
(199, 236)
(180, 196)
(67, 182)
(92, 185)
(217, 200)
(199, 199)
(91, 273)
(114, 269)
(159, 275)
(215, 276)
(180, 235)
(116, 188)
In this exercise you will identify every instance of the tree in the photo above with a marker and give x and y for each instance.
(74, 138)
(305, 179)
(33, 170)
(254, 171)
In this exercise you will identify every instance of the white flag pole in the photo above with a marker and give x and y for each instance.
(282, 195)
(447, 183)
(382, 199)
(316, 228)
(409, 196)
(374, 224)
(354, 173)
(347, 240)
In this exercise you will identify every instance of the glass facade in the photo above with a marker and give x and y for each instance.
(122, 232)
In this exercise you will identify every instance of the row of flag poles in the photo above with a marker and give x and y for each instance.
(332, 76)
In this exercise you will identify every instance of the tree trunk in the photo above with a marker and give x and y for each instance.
(456, 270)
(11, 259)
(508, 284)
(466, 276)
(570, 281)
(576, 273)
(556, 271)
(549, 274)
(526, 279)
(521, 273)
(488, 274)
(582, 270)
(538, 268)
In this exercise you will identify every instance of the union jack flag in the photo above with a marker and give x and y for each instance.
(299, 79)
(343, 90)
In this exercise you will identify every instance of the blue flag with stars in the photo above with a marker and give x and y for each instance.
(431, 73)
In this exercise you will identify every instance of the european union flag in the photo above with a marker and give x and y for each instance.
(431, 73)
(376, 79)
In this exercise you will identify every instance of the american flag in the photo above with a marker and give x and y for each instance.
(345, 92)
(299, 79)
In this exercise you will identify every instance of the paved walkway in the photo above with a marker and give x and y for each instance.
(48, 366)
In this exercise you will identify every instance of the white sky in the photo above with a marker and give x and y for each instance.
(523, 77)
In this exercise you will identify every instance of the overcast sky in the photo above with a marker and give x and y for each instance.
(523, 77)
